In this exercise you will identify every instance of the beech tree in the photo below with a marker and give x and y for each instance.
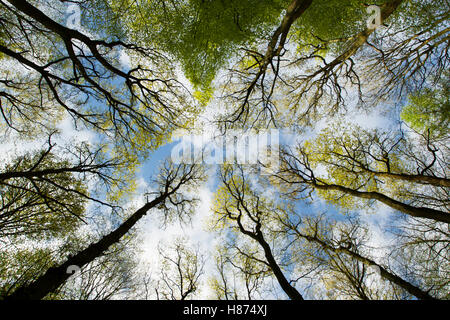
(202, 35)
(343, 250)
(239, 276)
(421, 253)
(237, 203)
(335, 253)
(428, 111)
(181, 270)
(44, 194)
(111, 276)
(92, 94)
(282, 86)
(171, 182)
(355, 168)
(76, 79)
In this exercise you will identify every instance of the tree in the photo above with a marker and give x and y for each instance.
(118, 274)
(19, 265)
(120, 70)
(336, 252)
(428, 111)
(180, 271)
(114, 275)
(250, 218)
(44, 193)
(412, 54)
(83, 78)
(356, 166)
(202, 35)
(421, 254)
(239, 275)
(382, 154)
(257, 103)
(170, 182)
(334, 54)
(341, 246)
(257, 64)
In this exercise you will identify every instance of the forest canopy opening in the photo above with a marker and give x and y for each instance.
(224, 150)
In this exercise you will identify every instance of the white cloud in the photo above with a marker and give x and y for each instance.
(378, 222)
(152, 234)
(124, 60)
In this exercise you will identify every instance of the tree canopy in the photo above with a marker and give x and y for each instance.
(349, 98)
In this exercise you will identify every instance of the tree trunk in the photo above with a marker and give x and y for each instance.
(422, 179)
(419, 212)
(410, 288)
(292, 293)
(56, 276)
(361, 38)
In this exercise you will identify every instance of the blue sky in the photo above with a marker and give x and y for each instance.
(150, 228)
(197, 233)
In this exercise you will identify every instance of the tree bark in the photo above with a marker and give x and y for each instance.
(295, 9)
(292, 293)
(361, 38)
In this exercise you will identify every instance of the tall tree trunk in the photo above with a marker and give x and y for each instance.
(56, 276)
(419, 212)
(276, 44)
(291, 292)
(360, 39)
(410, 288)
(422, 179)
